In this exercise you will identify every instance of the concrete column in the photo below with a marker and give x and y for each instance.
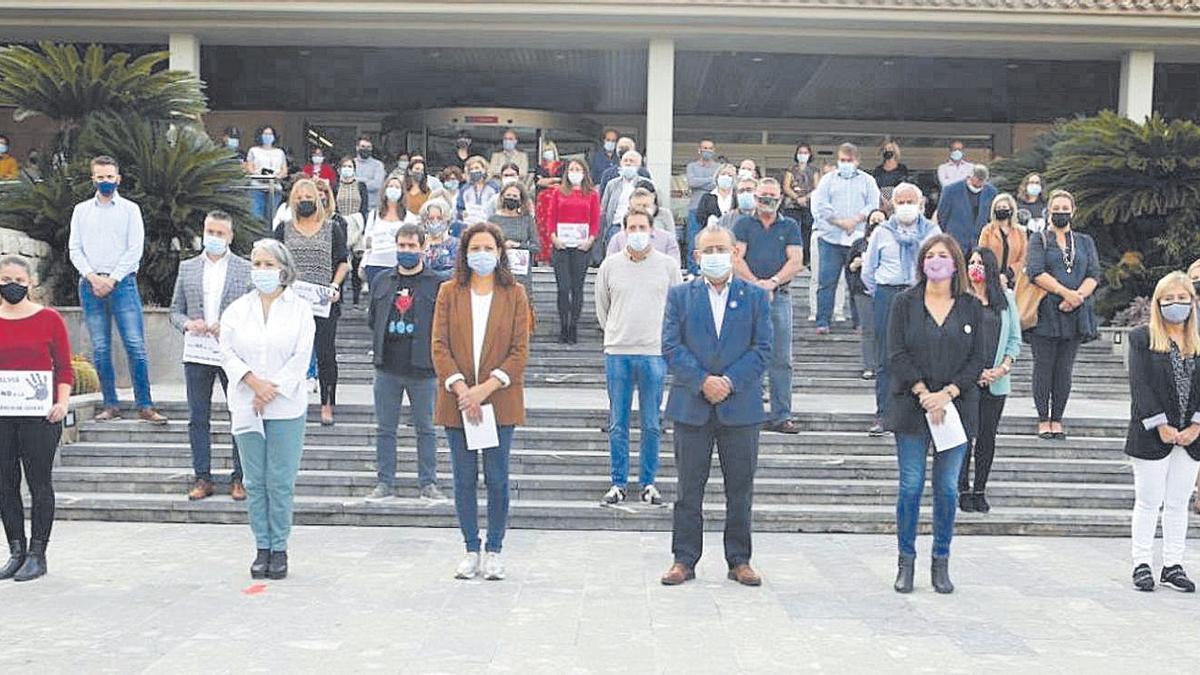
(660, 115)
(1136, 99)
(185, 52)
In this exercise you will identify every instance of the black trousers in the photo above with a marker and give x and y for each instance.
(352, 278)
(570, 272)
(325, 345)
(737, 449)
(803, 216)
(27, 443)
(984, 448)
(1053, 366)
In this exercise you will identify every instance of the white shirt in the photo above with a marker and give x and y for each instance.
(717, 300)
(214, 287)
(261, 158)
(627, 187)
(724, 202)
(276, 348)
(481, 308)
(951, 172)
(381, 236)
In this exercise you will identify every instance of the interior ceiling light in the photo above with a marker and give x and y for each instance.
(757, 59)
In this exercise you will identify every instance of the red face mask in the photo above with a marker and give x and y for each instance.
(976, 273)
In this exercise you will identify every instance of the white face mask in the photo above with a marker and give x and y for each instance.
(576, 177)
(548, 155)
(745, 174)
(907, 213)
(393, 193)
(508, 180)
(639, 241)
(317, 159)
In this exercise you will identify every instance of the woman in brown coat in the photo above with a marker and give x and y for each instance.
(1005, 238)
(480, 345)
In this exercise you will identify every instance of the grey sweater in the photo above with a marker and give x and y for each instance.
(700, 179)
(630, 300)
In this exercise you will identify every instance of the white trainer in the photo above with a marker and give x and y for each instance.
(493, 567)
(468, 568)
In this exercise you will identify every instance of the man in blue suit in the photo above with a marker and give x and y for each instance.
(965, 207)
(717, 341)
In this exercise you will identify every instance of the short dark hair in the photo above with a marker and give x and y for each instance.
(233, 132)
(366, 138)
(5, 137)
(633, 211)
(612, 131)
(105, 160)
(411, 230)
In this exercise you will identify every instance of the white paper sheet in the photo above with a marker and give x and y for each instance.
(203, 349)
(950, 433)
(316, 295)
(486, 434)
(518, 261)
(572, 235)
(26, 393)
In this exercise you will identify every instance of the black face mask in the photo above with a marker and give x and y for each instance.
(1003, 214)
(306, 208)
(364, 153)
(512, 203)
(12, 292)
(888, 154)
(1060, 220)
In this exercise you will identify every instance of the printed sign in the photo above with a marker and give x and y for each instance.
(518, 261)
(201, 349)
(572, 235)
(26, 393)
(320, 297)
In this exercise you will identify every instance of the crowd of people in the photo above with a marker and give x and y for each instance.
(942, 297)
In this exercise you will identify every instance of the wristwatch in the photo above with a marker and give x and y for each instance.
(775, 280)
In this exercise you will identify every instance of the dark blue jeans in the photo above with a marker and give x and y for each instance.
(465, 464)
(911, 451)
(624, 372)
(693, 228)
(389, 395)
(882, 306)
(833, 261)
(199, 379)
(124, 305)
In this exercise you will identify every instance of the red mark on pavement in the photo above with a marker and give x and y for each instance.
(255, 589)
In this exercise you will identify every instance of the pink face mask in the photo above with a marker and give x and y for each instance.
(939, 269)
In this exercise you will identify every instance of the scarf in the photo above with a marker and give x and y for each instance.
(908, 239)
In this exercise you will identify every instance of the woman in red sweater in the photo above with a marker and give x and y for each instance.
(35, 390)
(319, 168)
(572, 224)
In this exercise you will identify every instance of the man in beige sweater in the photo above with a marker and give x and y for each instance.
(631, 296)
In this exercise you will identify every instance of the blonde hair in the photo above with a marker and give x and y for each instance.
(1193, 267)
(322, 213)
(1159, 340)
(1056, 194)
(1012, 206)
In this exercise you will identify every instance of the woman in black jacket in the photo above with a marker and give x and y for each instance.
(1164, 426)
(721, 199)
(936, 354)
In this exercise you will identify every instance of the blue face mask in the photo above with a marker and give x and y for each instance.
(628, 172)
(956, 155)
(716, 266)
(268, 139)
(510, 144)
(3, 148)
(745, 201)
(408, 259)
(707, 155)
(215, 245)
(846, 169)
(106, 188)
(609, 146)
(482, 263)
(232, 143)
(266, 281)
(1176, 312)
(450, 185)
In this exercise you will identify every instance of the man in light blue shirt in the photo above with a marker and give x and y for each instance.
(840, 206)
(701, 178)
(106, 245)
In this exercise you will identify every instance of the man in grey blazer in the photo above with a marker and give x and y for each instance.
(205, 286)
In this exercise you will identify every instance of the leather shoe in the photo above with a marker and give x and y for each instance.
(745, 575)
(201, 490)
(107, 415)
(277, 565)
(237, 491)
(152, 416)
(785, 427)
(678, 574)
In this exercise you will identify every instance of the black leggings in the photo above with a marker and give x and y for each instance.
(570, 272)
(325, 344)
(984, 447)
(1053, 364)
(28, 442)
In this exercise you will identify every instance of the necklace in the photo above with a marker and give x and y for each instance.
(1069, 252)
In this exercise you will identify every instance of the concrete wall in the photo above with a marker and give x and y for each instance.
(163, 342)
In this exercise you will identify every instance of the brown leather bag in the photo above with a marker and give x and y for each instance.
(1029, 295)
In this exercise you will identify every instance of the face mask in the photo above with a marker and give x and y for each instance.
(12, 292)
(576, 177)
(976, 273)
(510, 144)
(268, 139)
(347, 172)
(475, 176)
(846, 169)
(1060, 220)
(745, 174)
(609, 146)
(3, 148)
(436, 228)
(408, 259)
(707, 155)
(451, 185)
(482, 262)
(802, 158)
(317, 159)
(508, 180)
(638, 241)
(215, 245)
(364, 153)
(402, 165)
(1003, 214)
(232, 143)
(938, 269)
(716, 266)
(888, 154)
(1176, 312)
(266, 281)
(745, 201)
(463, 143)
(393, 193)
(767, 204)
(725, 181)
(548, 156)
(629, 172)
(511, 203)
(907, 213)
(434, 184)
(956, 155)
(973, 189)
(306, 208)
(106, 188)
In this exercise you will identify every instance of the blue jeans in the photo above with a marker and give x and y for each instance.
(693, 228)
(833, 261)
(389, 395)
(882, 306)
(199, 379)
(622, 373)
(780, 366)
(124, 305)
(272, 462)
(911, 450)
(264, 203)
(465, 464)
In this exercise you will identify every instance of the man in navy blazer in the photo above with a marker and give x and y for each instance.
(717, 341)
(965, 207)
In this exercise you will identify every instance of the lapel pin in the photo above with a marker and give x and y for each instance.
(733, 304)
(967, 329)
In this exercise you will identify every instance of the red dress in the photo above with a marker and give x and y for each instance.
(542, 209)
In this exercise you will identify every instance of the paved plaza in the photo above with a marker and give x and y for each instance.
(178, 599)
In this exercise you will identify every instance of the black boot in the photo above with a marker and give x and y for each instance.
(277, 568)
(904, 575)
(966, 501)
(258, 568)
(940, 575)
(981, 503)
(35, 562)
(17, 549)
(573, 331)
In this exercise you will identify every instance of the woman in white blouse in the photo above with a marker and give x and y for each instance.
(266, 343)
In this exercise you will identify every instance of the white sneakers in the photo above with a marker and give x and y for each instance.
(493, 567)
(468, 568)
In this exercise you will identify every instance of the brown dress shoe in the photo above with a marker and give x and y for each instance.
(152, 416)
(107, 415)
(678, 574)
(237, 491)
(745, 575)
(201, 490)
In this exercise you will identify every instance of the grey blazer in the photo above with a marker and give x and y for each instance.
(188, 300)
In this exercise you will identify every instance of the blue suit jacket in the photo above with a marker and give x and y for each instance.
(694, 352)
(954, 213)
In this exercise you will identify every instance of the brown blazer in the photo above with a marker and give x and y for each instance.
(1018, 245)
(505, 347)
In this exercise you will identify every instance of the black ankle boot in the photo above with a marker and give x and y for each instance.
(17, 549)
(981, 503)
(904, 575)
(35, 562)
(966, 501)
(277, 568)
(258, 568)
(940, 575)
